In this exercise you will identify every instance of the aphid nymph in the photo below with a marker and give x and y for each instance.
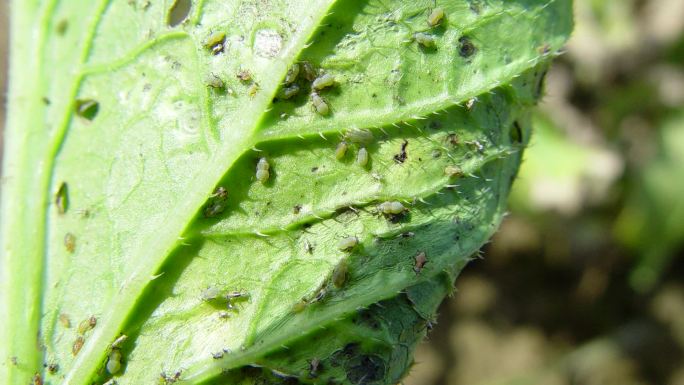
(453, 171)
(359, 136)
(308, 71)
(211, 293)
(262, 170)
(339, 275)
(119, 341)
(436, 16)
(424, 39)
(87, 108)
(420, 261)
(289, 92)
(341, 150)
(348, 244)
(392, 207)
(62, 198)
(114, 361)
(216, 202)
(233, 296)
(319, 104)
(362, 157)
(69, 242)
(216, 42)
(244, 75)
(323, 81)
(78, 344)
(215, 82)
(292, 74)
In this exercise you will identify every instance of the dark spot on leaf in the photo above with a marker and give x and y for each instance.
(297, 209)
(53, 368)
(87, 108)
(540, 84)
(401, 156)
(516, 133)
(365, 369)
(178, 12)
(62, 27)
(46, 100)
(314, 367)
(466, 48)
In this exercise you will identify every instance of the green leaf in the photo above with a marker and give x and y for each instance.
(162, 183)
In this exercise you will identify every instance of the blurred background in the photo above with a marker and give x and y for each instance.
(583, 284)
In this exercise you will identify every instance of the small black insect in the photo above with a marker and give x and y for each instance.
(401, 156)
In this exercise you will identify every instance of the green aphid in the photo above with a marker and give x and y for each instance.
(62, 198)
(323, 81)
(70, 242)
(262, 170)
(319, 104)
(215, 82)
(216, 203)
(292, 74)
(424, 39)
(341, 150)
(436, 17)
(453, 171)
(289, 92)
(308, 71)
(359, 136)
(87, 325)
(340, 273)
(216, 42)
(392, 207)
(348, 244)
(87, 108)
(362, 157)
(114, 361)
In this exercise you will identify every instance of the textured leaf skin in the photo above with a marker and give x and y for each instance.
(146, 242)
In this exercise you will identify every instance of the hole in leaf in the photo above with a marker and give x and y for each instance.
(178, 12)
(87, 108)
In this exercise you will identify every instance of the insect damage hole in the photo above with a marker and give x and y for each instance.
(178, 12)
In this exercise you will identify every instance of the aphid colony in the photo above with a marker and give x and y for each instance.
(357, 137)
(434, 19)
(337, 279)
(303, 76)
